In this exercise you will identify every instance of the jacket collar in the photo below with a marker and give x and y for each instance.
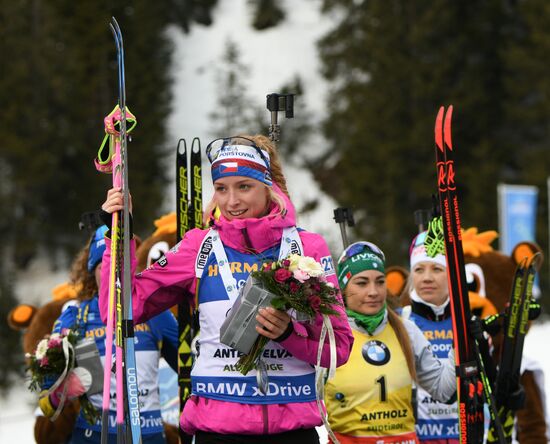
(424, 310)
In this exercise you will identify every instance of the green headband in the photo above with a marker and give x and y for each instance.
(358, 263)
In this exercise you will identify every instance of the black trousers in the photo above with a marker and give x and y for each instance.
(300, 436)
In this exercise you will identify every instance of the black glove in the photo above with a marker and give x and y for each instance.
(492, 325)
(534, 310)
(476, 328)
(107, 219)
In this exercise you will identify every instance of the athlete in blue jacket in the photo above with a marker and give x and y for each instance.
(437, 422)
(157, 336)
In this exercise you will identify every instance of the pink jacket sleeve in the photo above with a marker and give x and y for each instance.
(162, 285)
(303, 343)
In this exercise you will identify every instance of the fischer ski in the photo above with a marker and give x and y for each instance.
(472, 382)
(509, 393)
(188, 216)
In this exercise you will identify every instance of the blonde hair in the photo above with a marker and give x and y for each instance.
(266, 144)
(81, 278)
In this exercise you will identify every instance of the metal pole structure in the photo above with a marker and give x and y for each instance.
(343, 216)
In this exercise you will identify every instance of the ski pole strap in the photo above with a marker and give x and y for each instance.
(104, 160)
(113, 119)
(321, 373)
(68, 351)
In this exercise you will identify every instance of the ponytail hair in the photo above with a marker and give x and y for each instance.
(404, 340)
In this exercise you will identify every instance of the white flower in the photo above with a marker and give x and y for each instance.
(310, 266)
(294, 259)
(41, 349)
(56, 336)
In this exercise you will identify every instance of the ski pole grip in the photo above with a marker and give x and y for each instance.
(341, 217)
(275, 103)
(421, 219)
(289, 106)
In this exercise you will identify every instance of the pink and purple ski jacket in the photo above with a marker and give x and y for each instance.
(173, 278)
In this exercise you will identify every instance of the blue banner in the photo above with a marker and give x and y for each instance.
(517, 215)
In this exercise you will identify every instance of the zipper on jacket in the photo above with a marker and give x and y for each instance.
(247, 241)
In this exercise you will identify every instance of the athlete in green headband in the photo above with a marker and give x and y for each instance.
(389, 354)
(362, 279)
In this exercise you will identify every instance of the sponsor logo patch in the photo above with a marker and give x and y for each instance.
(376, 352)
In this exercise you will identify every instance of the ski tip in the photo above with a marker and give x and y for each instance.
(447, 127)
(439, 128)
(196, 145)
(182, 147)
(536, 261)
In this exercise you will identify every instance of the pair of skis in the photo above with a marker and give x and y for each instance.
(508, 391)
(120, 297)
(188, 216)
(473, 385)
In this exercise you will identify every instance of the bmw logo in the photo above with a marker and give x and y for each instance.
(375, 353)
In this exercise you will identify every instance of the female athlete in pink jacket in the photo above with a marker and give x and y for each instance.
(251, 220)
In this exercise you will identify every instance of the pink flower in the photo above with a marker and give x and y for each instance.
(286, 263)
(315, 302)
(282, 275)
(294, 287)
(54, 342)
(44, 361)
(316, 287)
(300, 275)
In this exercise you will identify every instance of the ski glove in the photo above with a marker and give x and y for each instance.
(477, 328)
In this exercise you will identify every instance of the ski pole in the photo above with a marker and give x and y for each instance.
(108, 161)
(421, 219)
(343, 216)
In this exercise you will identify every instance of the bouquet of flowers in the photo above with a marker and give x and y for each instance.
(54, 357)
(299, 284)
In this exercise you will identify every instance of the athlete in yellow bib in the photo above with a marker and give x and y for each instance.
(369, 400)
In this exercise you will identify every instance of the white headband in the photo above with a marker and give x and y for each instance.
(419, 254)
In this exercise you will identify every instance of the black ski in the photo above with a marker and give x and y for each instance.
(188, 215)
(472, 381)
(509, 393)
